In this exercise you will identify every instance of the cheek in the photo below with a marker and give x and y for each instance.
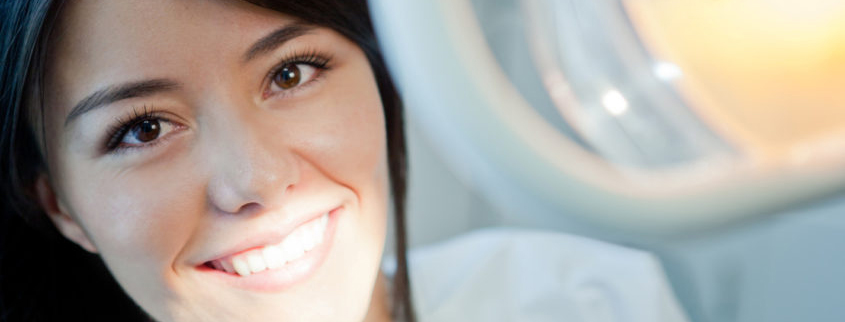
(139, 218)
(356, 155)
(351, 140)
(348, 144)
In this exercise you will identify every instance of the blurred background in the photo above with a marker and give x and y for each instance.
(441, 203)
(709, 133)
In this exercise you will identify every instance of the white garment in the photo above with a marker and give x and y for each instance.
(524, 275)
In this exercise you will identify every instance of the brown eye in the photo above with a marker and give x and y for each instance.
(143, 132)
(292, 75)
(288, 77)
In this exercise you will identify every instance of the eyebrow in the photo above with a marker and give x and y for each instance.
(150, 87)
(275, 39)
(120, 92)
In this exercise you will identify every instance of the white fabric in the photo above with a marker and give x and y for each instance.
(523, 275)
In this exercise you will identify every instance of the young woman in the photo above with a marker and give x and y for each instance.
(197, 160)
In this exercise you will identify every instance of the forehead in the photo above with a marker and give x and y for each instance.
(96, 43)
(98, 26)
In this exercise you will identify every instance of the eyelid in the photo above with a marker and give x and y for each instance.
(148, 145)
(321, 62)
(122, 126)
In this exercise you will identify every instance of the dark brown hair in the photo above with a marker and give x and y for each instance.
(45, 277)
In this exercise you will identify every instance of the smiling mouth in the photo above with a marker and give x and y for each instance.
(270, 257)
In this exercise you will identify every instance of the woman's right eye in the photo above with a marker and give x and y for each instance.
(143, 132)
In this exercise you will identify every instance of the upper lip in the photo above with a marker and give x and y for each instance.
(266, 236)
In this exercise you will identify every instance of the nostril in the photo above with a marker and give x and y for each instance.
(249, 208)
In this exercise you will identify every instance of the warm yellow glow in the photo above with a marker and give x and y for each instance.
(769, 74)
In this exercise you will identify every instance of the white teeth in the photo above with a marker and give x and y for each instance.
(256, 262)
(227, 266)
(288, 248)
(273, 256)
(294, 246)
(314, 242)
(309, 240)
(241, 267)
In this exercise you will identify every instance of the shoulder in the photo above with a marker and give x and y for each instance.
(530, 275)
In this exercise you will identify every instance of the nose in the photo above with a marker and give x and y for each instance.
(251, 168)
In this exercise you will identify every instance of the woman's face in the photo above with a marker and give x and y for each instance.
(226, 161)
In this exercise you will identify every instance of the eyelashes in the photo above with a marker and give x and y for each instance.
(310, 63)
(122, 126)
(309, 57)
(307, 65)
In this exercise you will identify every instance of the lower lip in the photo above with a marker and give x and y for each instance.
(282, 278)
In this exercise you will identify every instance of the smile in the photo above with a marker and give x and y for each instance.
(293, 247)
(274, 267)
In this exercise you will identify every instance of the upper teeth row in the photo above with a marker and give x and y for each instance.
(301, 240)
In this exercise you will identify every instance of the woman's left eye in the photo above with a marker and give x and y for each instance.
(291, 75)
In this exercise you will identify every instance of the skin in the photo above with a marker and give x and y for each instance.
(234, 160)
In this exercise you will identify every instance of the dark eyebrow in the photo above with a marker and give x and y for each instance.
(116, 93)
(275, 39)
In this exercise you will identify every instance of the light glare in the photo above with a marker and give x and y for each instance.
(614, 102)
(667, 71)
